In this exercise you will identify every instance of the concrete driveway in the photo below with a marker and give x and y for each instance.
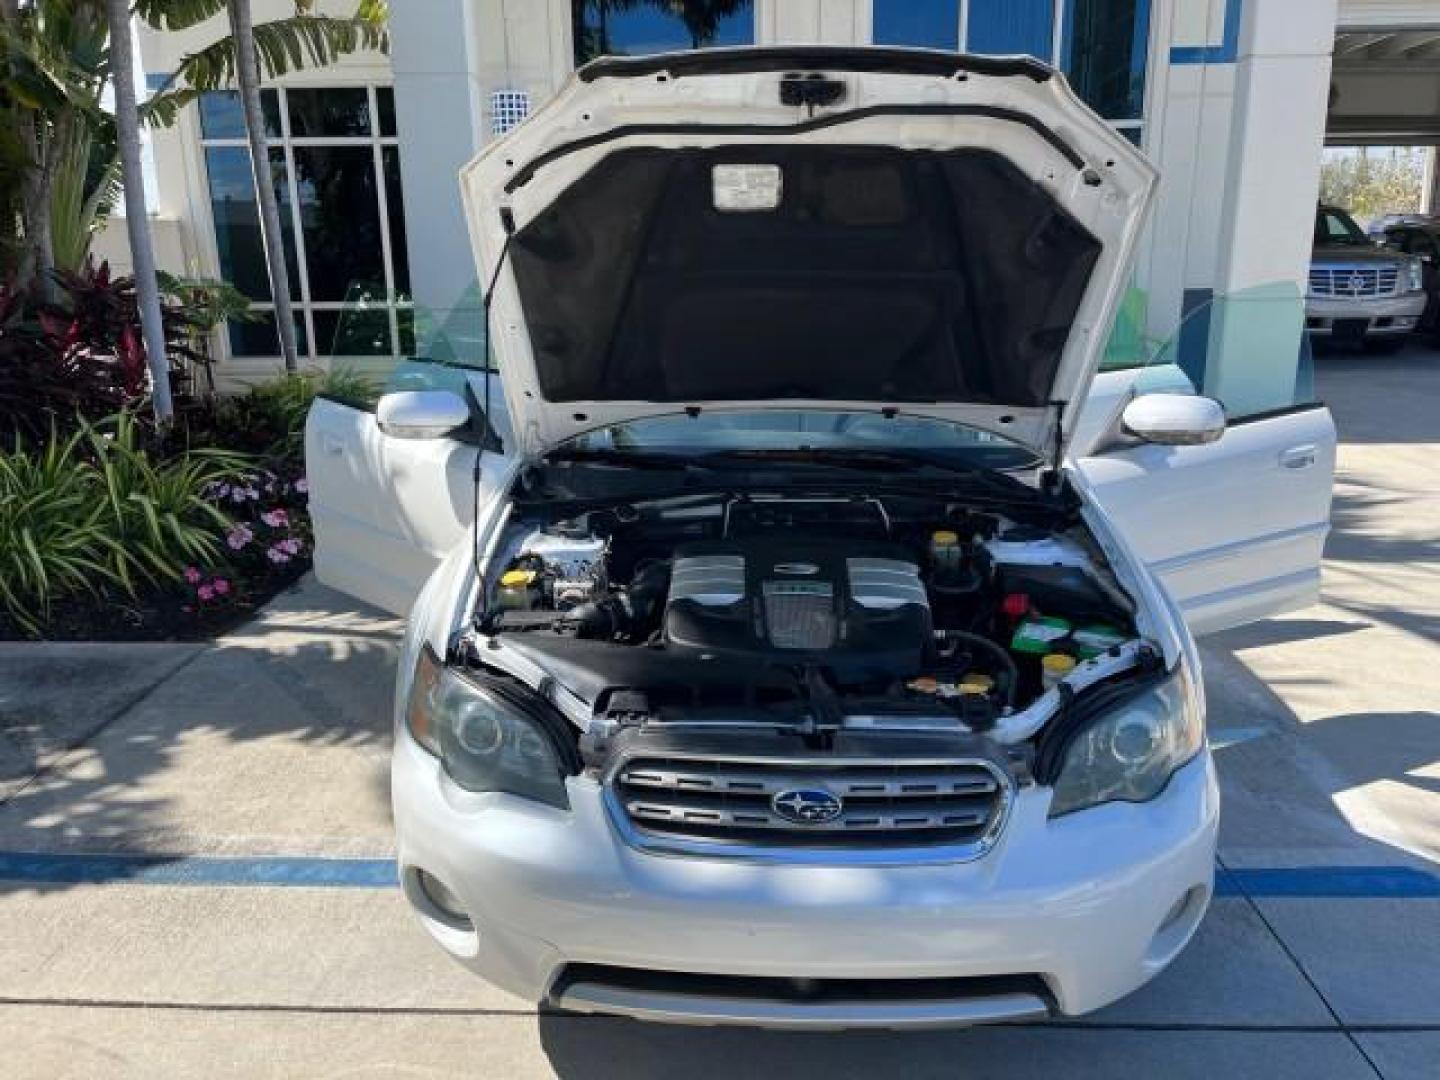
(194, 849)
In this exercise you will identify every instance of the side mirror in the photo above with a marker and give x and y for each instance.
(1174, 419)
(421, 414)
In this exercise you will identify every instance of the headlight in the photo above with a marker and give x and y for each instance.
(1130, 752)
(1417, 275)
(485, 736)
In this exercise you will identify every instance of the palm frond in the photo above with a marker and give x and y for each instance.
(177, 14)
(286, 45)
(162, 108)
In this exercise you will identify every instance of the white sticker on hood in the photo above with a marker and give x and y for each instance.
(746, 187)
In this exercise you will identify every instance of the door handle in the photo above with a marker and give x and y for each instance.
(331, 444)
(1300, 457)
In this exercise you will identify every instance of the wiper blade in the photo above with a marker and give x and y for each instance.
(629, 459)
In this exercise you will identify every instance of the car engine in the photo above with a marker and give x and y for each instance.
(772, 609)
(861, 605)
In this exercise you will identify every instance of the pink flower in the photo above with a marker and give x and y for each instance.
(238, 537)
(221, 586)
(302, 485)
(205, 592)
(192, 575)
(290, 545)
(277, 555)
(276, 519)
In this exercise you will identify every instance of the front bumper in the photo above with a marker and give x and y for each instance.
(1090, 906)
(1383, 316)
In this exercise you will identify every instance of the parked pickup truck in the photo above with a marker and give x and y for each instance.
(1360, 293)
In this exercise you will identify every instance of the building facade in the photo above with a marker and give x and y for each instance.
(1227, 97)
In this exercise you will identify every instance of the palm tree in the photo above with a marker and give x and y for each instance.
(702, 18)
(242, 31)
(61, 152)
(137, 222)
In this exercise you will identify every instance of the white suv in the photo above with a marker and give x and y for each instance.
(814, 651)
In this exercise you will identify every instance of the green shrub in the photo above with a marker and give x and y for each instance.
(269, 418)
(54, 537)
(159, 511)
(96, 511)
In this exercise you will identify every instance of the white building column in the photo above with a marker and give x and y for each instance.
(1282, 79)
(440, 120)
(449, 57)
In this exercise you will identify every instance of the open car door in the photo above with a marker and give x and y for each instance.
(1235, 528)
(387, 509)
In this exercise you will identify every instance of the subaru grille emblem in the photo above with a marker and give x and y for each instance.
(807, 806)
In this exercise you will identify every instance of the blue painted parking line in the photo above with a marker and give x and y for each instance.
(1328, 883)
(70, 868)
(74, 868)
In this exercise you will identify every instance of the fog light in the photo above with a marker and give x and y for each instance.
(445, 902)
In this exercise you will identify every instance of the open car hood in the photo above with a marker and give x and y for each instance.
(911, 231)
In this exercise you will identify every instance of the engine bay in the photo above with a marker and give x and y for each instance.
(815, 614)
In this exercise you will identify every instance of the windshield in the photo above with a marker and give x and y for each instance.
(1337, 227)
(796, 430)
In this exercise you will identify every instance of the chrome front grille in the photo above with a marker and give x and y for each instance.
(723, 804)
(1354, 281)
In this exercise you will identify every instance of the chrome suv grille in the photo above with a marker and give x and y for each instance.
(1354, 281)
(815, 803)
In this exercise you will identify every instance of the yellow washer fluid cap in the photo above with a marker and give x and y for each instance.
(1054, 667)
(944, 538)
(976, 683)
(512, 578)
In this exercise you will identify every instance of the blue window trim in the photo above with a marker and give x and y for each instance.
(1224, 53)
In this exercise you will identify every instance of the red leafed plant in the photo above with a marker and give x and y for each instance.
(82, 357)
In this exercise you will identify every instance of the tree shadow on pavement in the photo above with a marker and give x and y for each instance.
(273, 740)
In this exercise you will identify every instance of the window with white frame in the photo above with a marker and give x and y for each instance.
(1101, 45)
(335, 165)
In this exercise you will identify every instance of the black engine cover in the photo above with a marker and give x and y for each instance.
(858, 609)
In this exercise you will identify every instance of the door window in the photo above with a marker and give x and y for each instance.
(1247, 349)
(1337, 227)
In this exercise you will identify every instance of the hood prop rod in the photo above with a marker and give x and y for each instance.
(1051, 479)
(489, 437)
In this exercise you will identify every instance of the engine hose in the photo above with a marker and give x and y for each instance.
(1012, 673)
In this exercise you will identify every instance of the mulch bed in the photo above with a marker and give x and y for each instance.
(159, 614)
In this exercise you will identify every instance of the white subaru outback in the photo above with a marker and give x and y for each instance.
(805, 639)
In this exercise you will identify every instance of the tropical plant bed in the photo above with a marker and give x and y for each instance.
(251, 540)
(111, 532)
(158, 614)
